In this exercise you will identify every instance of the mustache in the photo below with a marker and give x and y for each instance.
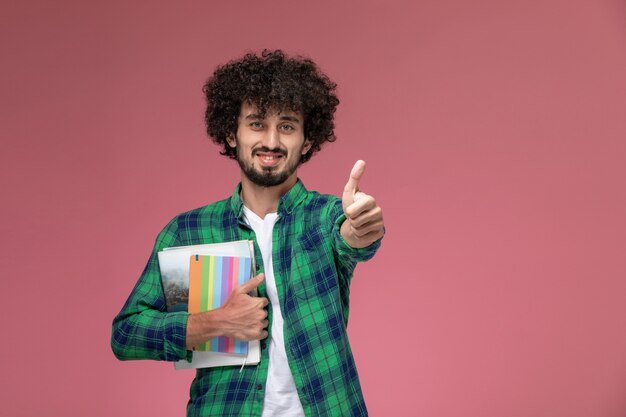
(268, 150)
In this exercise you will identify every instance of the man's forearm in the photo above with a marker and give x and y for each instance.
(203, 326)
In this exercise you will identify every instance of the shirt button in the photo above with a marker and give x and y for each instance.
(259, 386)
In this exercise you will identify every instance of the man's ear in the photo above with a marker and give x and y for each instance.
(230, 139)
(307, 146)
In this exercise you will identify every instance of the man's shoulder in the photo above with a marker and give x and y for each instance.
(217, 206)
(213, 222)
(203, 213)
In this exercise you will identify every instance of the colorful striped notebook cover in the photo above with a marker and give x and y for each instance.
(211, 280)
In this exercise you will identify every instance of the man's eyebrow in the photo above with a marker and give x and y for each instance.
(285, 117)
(290, 118)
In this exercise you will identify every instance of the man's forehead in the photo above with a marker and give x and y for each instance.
(249, 110)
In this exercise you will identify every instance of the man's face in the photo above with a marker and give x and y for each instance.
(269, 147)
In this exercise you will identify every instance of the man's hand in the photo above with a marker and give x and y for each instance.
(364, 218)
(241, 316)
(245, 317)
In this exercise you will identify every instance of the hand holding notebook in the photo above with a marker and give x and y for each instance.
(234, 318)
(244, 316)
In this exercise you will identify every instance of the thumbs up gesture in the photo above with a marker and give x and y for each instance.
(364, 218)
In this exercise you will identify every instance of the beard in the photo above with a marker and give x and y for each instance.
(268, 176)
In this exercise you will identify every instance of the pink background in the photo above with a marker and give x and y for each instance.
(494, 133)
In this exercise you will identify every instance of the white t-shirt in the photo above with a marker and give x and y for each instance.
(281, 397)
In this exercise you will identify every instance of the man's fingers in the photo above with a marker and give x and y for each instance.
(252, 284)
(372, 216)
(367, 228)
(362, 204)
(372, 236)
(352, 186)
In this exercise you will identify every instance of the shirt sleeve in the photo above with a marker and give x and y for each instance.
(144, 329)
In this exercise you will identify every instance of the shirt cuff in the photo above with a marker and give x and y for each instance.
(175, 337)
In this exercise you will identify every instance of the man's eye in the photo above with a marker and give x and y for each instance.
(287, 128)
(256, 125)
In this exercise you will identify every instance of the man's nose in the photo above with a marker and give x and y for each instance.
(271, 139)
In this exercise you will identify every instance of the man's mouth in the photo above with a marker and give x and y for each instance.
(269, 159)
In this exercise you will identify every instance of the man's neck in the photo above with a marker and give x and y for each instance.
(263, 200)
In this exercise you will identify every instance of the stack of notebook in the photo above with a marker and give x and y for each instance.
(199, 278)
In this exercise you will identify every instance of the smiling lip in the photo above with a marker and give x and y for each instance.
(269, 158)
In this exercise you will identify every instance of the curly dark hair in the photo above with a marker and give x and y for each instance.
(271, 80)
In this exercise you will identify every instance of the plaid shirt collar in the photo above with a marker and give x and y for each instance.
(287, 203)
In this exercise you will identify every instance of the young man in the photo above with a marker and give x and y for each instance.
(270, 113)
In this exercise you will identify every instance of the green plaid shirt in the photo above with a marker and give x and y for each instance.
(313, 267)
